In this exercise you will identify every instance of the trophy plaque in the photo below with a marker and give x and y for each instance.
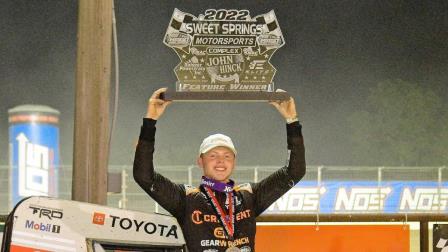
(224, 55)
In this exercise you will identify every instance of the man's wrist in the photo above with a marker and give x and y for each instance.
(292, 119)
(152, 116)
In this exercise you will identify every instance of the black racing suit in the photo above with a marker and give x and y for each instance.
(200, 224)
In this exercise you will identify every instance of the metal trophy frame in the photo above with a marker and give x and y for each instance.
(224, 56)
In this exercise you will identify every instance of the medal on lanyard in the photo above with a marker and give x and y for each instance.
(227, 220)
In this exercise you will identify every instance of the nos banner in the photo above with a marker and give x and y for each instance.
(333, 238)
(440, 238)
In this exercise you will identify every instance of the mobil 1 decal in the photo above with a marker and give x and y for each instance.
(224, 50)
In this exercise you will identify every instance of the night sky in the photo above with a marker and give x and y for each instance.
(335, 52)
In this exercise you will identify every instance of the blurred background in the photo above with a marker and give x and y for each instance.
(369, 78)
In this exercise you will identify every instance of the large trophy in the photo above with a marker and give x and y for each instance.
(224, 55)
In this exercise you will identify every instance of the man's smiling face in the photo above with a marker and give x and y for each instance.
(217, 163)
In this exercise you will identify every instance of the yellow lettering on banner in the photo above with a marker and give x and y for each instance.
(219, 233)
(238, 242)
(243, 215)
(222, 243)
(210, 218)
(196, 217)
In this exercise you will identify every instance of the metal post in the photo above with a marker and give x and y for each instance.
(380, 178)
(91, 136)
(256, 174)
(124, 199)
(439, 188)
(319, 182)
(424, 239)
(190, 175)
(10, 205)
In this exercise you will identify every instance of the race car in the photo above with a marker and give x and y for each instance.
(47, 224)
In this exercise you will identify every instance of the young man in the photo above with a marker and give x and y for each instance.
(217, 216)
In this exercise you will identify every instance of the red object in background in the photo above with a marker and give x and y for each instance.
(333, 238)
(15, 248)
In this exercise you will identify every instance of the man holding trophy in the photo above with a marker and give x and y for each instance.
(219, 216)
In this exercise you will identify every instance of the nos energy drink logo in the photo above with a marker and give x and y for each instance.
(364, 197)
(34, 154)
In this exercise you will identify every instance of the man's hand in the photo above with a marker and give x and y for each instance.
(156, 106)
(286, 108)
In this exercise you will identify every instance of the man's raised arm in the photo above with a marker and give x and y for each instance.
(274, 186)
(168, 194)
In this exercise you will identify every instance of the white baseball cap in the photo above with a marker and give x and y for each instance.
(216, 140)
